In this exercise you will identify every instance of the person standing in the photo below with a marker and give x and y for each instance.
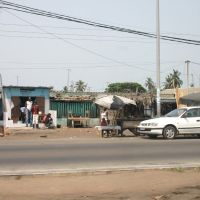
(27, 112)
(104, 116)
(35, 112)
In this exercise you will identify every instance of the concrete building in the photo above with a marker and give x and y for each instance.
(14, 98)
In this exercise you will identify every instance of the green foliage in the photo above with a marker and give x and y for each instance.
(178, 169)
(125, 87)
(65, 89)
(173, 80)
(150, 85)
(80, 86)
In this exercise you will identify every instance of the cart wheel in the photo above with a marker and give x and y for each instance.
(120, 134)
(109, 133)
(104, 133)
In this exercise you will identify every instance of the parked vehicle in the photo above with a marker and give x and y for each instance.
(177, 122)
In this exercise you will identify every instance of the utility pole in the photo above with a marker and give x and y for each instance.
(158, 57)
(17, 80)
(68, 71)
(187, 72)
(3, 105)
(192, 77)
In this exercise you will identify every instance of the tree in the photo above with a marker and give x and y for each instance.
(150, 85)
(65, 89)
(173, 80)
(72, 87)
(125, 87)
(80, 86)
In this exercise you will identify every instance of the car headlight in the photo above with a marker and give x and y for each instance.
(153, 124)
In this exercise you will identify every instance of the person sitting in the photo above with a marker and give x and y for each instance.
(103, 122)
(48, 121)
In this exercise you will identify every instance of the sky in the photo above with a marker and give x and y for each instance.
(41, 51)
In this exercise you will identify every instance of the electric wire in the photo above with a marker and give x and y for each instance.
(90, 29)
(26, 9)
(78, 46)
(103, 26)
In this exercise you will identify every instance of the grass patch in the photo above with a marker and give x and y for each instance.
(178, 169)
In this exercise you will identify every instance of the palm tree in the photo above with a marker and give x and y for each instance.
(150, 85)
(65, 89)
(80, 86)
(173, 80)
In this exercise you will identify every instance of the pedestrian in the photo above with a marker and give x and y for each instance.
(35, 113)
(104, 116)
(27, 112)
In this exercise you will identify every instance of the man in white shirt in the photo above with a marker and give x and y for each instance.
(28, 113)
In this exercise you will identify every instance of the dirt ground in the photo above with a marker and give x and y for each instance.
(126, 185)
(171, 184)
(64, 132)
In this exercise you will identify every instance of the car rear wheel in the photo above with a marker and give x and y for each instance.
(169, 132)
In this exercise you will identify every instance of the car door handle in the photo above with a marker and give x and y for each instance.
(198, 120)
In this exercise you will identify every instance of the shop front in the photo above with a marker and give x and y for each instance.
(15, 98)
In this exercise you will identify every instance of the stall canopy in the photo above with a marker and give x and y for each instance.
(193, 98)
(114, 101)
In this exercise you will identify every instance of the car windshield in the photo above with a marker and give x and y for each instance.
(176, 112)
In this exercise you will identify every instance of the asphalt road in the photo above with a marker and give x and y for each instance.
(68, 155)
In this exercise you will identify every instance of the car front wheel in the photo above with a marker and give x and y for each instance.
(169, 132)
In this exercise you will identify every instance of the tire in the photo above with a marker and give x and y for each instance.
(153, 136)
(104, 134)
(169, 132)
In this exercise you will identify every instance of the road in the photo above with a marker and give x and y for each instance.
(68, 155)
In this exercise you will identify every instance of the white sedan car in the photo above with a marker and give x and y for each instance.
(179, 121)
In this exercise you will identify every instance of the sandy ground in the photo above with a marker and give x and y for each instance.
(144, 185)
(65, 132)
(171, 184)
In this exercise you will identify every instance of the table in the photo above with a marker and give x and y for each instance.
(109, 130)
(78, 121)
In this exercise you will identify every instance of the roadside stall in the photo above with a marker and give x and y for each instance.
(115, 105)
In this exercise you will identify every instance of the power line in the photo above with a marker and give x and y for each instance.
(55, 27)
(77, 46)
(25, 9)
(79, 35)
(83, 63)
(195, 63)
(90, 29)
(76, 39)
(71, 34)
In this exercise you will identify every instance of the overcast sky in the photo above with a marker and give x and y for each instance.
(41, 51)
